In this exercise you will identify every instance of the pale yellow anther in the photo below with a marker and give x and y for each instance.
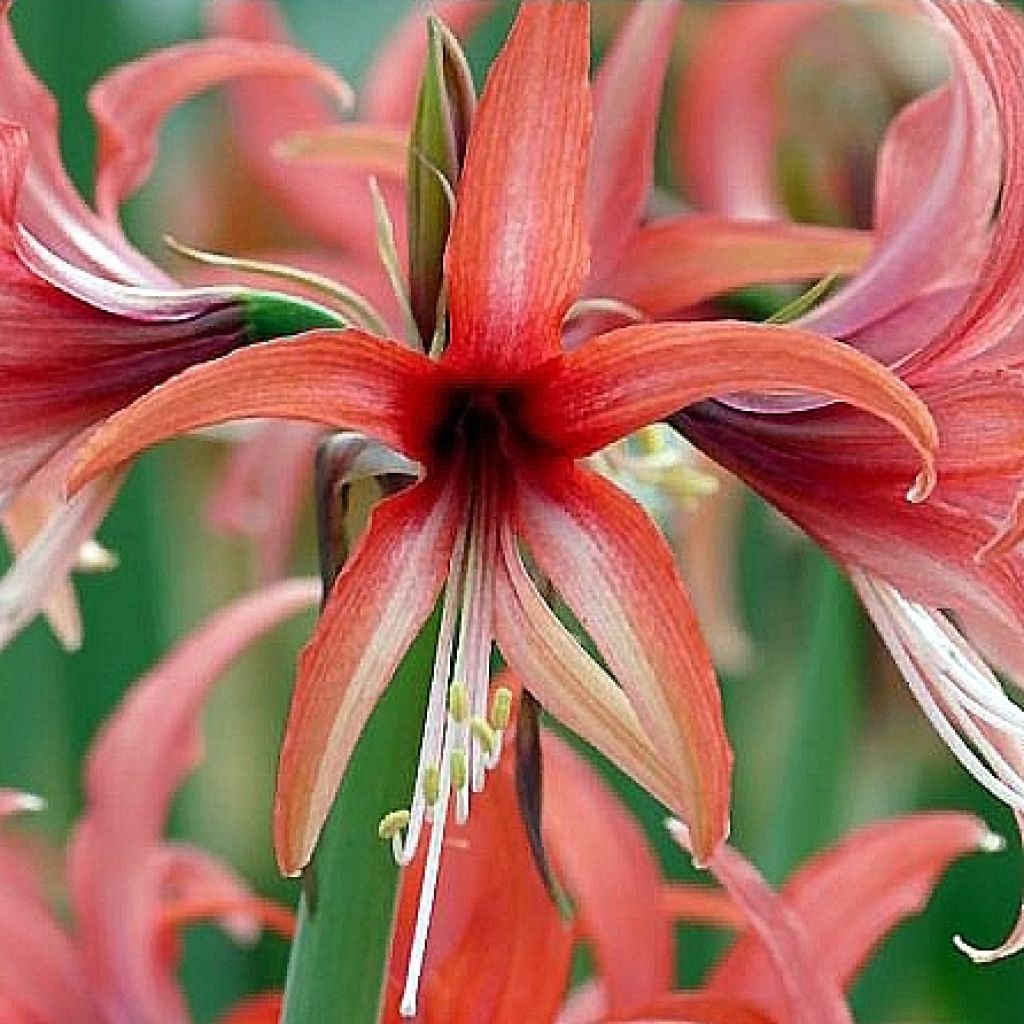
(649, 440)
(501, 708)
(459, 768)
(392, 823)
(484, 734)
(458, 703)
(431, 784)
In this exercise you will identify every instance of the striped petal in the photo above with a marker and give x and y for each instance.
(518, 249)
(377, 606)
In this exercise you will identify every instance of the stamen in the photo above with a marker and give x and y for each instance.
(458, 703)
(457, 764)
(392, 824)
(501, 709)
(431, 784)
(484, 734)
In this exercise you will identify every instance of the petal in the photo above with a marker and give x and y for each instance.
(698, 903)
(337, 378)
(627, 95)
(130, 104)
(938, 180)
(728, 106)
(698, 1008)
(610, 872)
(850, 897)
(378, 604)
(567, 681)
(613, 569)
(672, 264)
(50, 556)
(329, 204)
(134, 768)
(517, 255)
(812, 997)
(627, 378)
(49, 207)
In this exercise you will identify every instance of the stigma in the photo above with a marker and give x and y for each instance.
(465, 723)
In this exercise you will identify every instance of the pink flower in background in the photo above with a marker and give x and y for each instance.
(130, 890)
(87, 323)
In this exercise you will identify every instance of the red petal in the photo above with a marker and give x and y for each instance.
(672, 264)
(624, 379)
(850, 897)
(698, 1008)
(330, 204)
(568, 682)
(811, 996)
(604, 861)
(338, 378)
(627, 95)
(135, 766)
(518, 249)
(499, 951)
(131, 102)
(378, 604)
(614, 570)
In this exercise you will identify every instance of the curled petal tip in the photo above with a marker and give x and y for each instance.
(991, 842)
(924, 482)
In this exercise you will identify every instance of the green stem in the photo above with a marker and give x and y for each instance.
(339, 957)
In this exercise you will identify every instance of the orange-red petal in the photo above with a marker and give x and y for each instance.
(337, 378)
(518, 249)
(378, 604)
(615, 571)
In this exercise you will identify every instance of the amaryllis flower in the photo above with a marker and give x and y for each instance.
(940, 301)
(131, 891)
(797, 950)
(499, 423)
(87, 323)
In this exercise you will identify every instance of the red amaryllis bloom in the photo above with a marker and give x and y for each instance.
(130, 890)
(940, 301)
(797, 952)
(499, 423)
(86, 322)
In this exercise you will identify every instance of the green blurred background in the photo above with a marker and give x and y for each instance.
(826, 736)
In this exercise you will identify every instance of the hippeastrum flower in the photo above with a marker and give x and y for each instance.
(499, 422)
(130, 890)
(940, 301)
(797, 950)
(87, 323)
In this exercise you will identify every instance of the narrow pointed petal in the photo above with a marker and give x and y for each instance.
(378, 604)
(614, 570)
(812, 996)
(624, 379)
(518, 249)
(698, 1008)
(728, 112)
(129, 105)
(850, 897)
(337, 378)
(603, 859)
(676, 263)
(135, 766)
(627, 95)
(568, 682)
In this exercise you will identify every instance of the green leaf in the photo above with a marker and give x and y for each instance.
(340, 955)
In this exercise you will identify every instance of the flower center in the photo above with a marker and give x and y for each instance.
(465, 723)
